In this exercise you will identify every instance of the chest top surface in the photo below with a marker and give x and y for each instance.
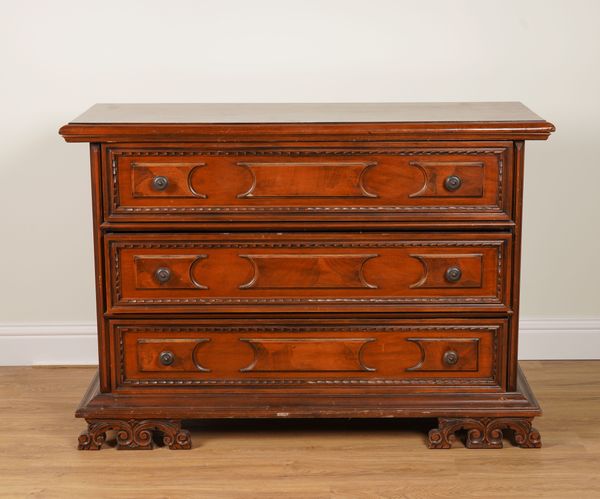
(393, 112)
(337, 121)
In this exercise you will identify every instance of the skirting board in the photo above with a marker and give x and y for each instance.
(75, 344)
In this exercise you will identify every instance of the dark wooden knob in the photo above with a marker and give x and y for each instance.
(453, 274)
(160, 183)
(452, 183)
(450, 358)
(162, 275)
(166, 358)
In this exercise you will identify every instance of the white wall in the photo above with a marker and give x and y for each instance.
(59, 57)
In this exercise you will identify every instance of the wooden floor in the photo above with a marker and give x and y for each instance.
(291, 459)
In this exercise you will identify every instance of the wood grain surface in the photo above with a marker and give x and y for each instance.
(309, 182)
(318, 112)
(347, 272)
(369, 121)
(298, 459)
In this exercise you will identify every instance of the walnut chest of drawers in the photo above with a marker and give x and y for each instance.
(307, 260)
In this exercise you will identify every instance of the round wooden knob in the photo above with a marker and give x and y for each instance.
(162, 275)
(452, 183)
(160, 183)
(450, 358)
(166, 358)
(453, 274)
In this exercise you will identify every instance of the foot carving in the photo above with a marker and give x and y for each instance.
(484, 433)
(134, 434)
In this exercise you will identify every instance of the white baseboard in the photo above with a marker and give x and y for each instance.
(53, 344)
(559, 338)
(75, 344)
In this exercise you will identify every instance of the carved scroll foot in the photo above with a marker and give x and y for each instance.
(135, 434)
(484, 433)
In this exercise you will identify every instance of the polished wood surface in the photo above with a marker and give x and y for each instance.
(279, 233)
(343, 121)
(297, 459)
(308, 183)
(317, 112)
(329, 398)
(299, 272)
(462, 355)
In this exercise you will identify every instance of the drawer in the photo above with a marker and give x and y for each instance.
(291, 354)
(195, 273)
(422, 182)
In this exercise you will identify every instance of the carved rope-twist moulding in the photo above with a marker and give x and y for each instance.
(312, 152)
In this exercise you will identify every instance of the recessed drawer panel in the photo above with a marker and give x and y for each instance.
(198, 273)
(421, 182)
(277, 353)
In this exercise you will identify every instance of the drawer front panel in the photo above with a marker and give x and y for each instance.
(423, 182)
(273, 354)
(308, 272)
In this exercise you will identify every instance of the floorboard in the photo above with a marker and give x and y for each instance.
(298, 459)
